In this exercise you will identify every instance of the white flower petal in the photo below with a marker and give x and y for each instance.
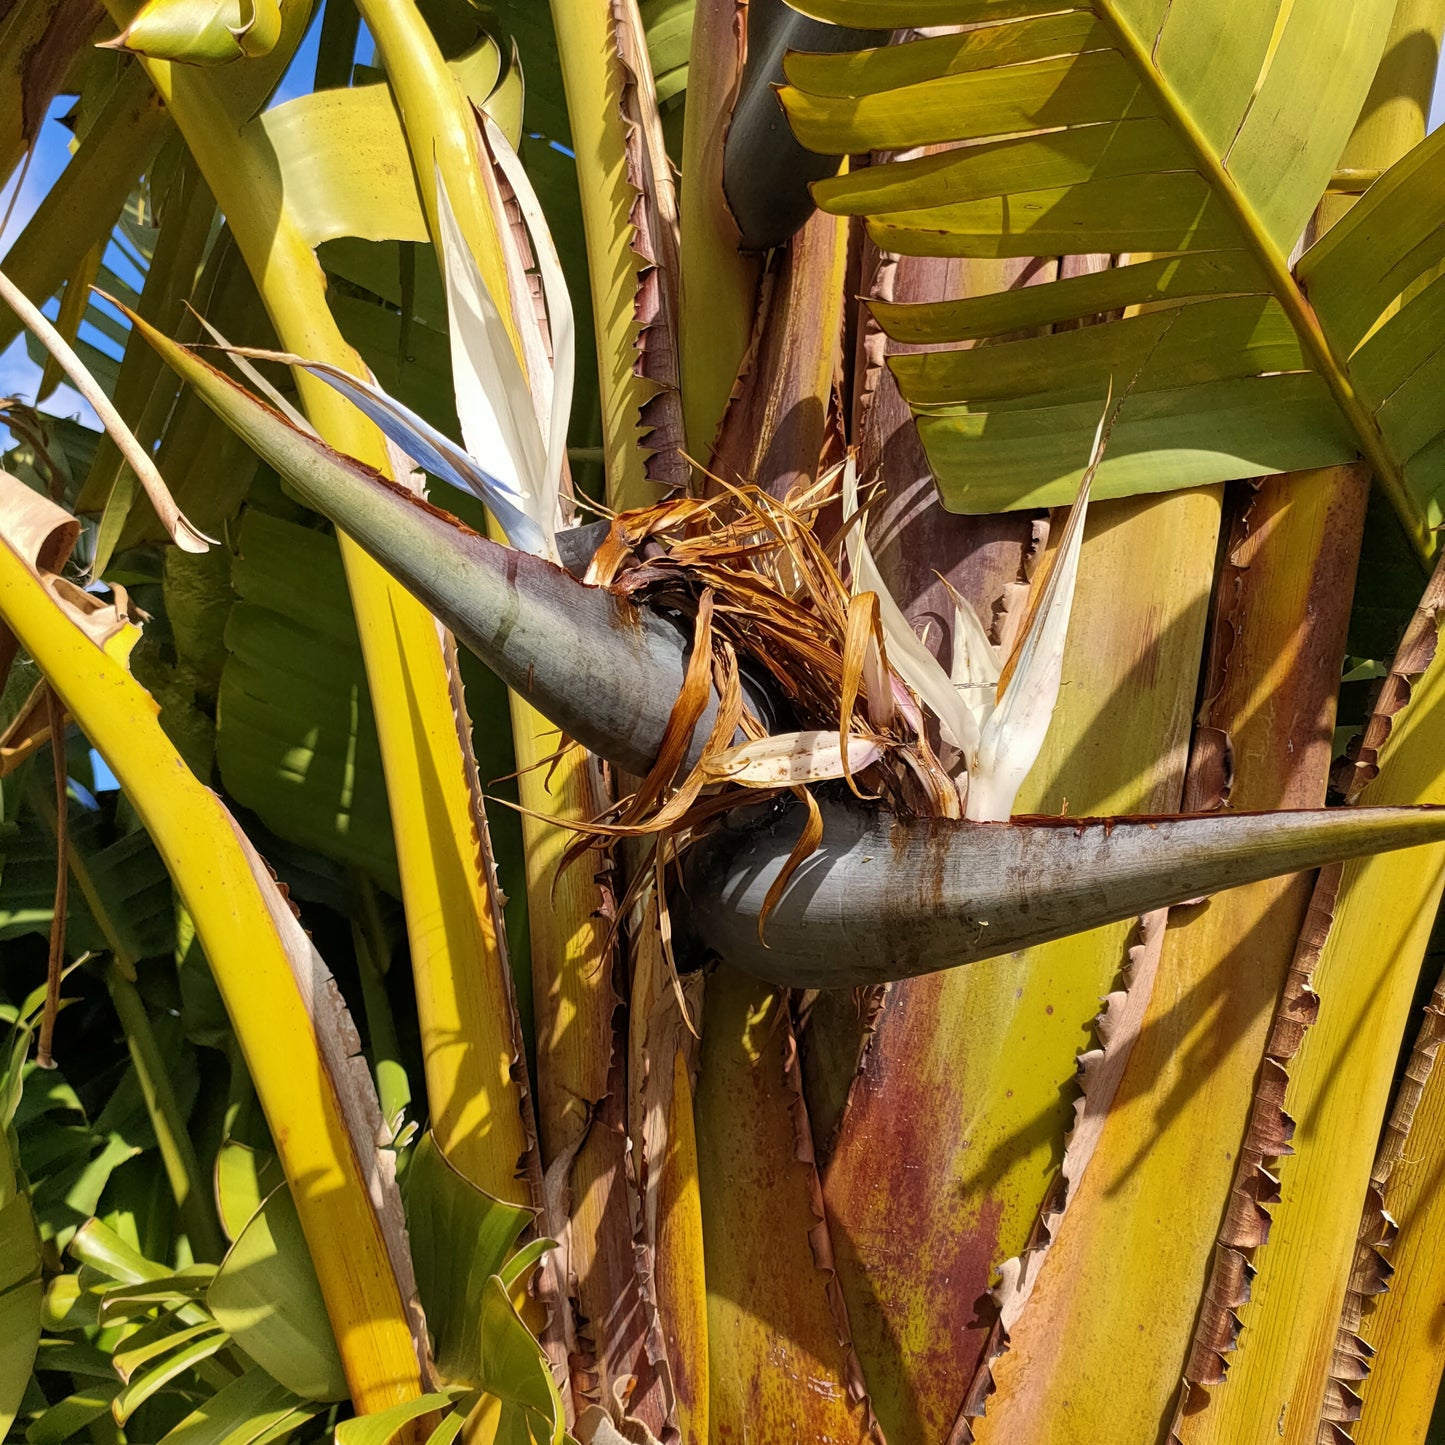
(913, 662)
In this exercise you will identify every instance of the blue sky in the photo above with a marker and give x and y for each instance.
(19, 376)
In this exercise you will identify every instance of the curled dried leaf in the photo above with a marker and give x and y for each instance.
(913, 662)
(43, 534)
(787, 758)
(807, 844)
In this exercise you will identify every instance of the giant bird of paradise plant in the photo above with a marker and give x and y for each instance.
(839, 814)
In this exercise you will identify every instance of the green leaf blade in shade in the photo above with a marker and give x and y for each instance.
(136, 1301)
(460, 1237)
(244, 1179)
(21, 1288)
(241, 1413)
(147, 1386)
(296, 738)
(524, 1261)
(19, 1339)
(152, 1341)
(266, 1296)
(104, 1250)
(66, 1419)
(19, 1244)
(514, 1369)
(380, 1427)
(452, 1424)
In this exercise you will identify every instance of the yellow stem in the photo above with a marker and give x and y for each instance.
(464, 997)
(253, 971)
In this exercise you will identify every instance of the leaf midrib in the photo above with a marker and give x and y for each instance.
(1296, 305)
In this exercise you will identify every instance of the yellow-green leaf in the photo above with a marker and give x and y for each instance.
(266, 1296)
(202, 32)
(299, 1046)
(1138, 128)
(460, 1238)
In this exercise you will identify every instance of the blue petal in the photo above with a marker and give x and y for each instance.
(438, 454)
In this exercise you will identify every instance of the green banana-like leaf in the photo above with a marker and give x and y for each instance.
(296, 738)
(66, 1419)
(266, 1296)
(169, 1337)
(382, 1427)
(20, 1284)
(82, 205)
(201, 1346)
(245, 1178)
(244, 1412)
(668, 24)
(28, 30)
(48, 451)
(130, 878)
(514, 1369)
(171, 265)
(460, 1238)
(1201, 133)
(339, 152)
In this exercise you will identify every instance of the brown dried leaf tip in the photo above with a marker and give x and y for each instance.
(1267, 1138)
